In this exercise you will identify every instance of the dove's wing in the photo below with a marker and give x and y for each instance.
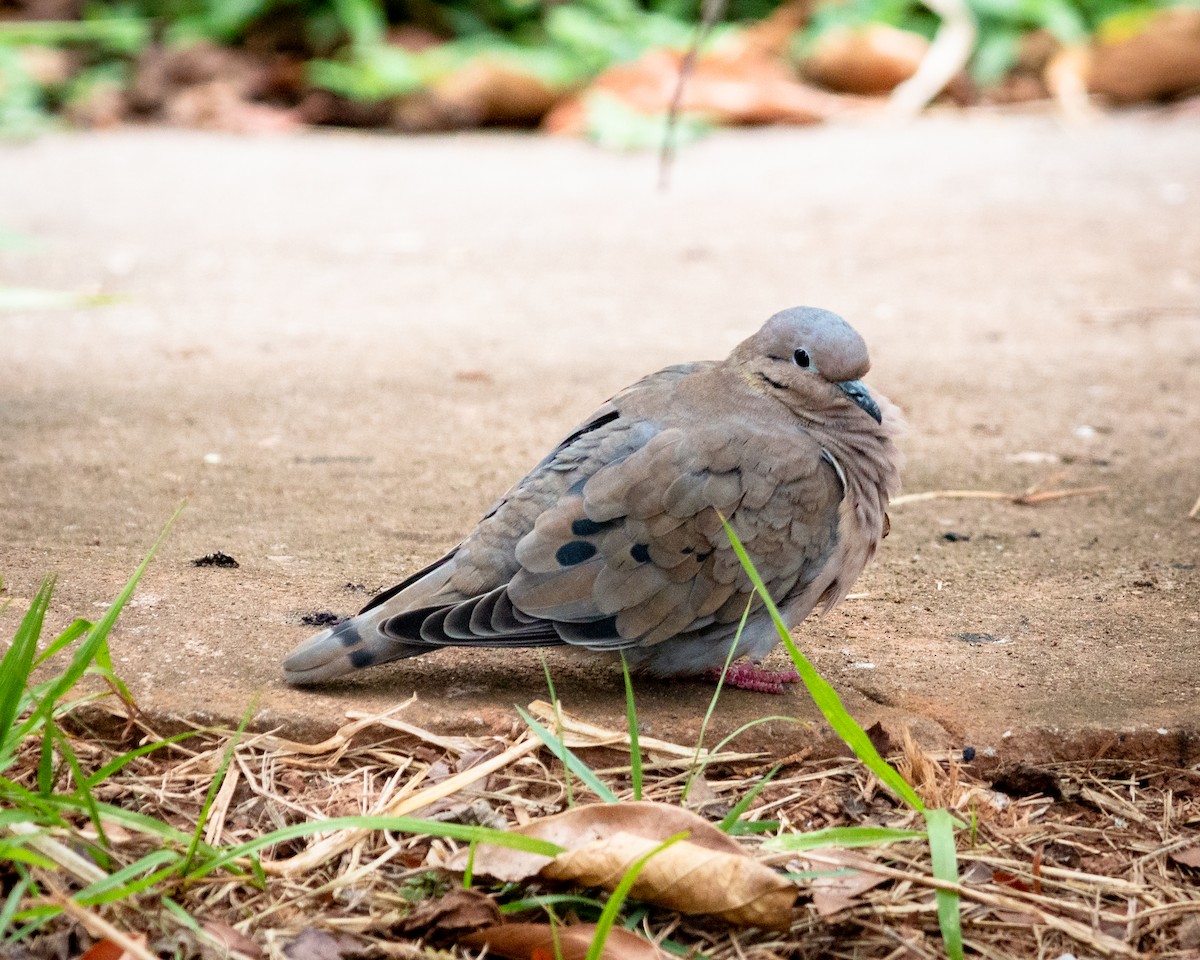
(616, 539)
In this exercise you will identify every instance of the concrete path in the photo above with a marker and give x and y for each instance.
(341, 348)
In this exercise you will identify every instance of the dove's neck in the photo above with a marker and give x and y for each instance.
(868, 466)
(865, 455)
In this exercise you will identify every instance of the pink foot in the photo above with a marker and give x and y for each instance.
(750, 676)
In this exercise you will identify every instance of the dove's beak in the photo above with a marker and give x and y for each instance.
(857, 392)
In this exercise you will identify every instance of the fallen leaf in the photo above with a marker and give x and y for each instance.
(1143, 55)
(832, 894)
(1005, 879)
(722, 88)
(707, 873)
(313, 944)
(236, 943)
(871, 59)
(481, 92)
(106, 950)
(1188, 856)
(457, 912)
(842, 888)
(540, 941)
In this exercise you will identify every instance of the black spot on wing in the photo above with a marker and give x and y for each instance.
(640, 552)
(361, 658)
(586, 527)
(347, 634)
(576, 551)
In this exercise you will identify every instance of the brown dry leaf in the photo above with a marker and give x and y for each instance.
(727, 88)
(1160, 57)
(314, 944)
(482, 92)
(105, 950)
(707, 873)
(457, 912)
(831, 895)
(1188, 856)
(872, 59)
(236, 943)
(540, 941)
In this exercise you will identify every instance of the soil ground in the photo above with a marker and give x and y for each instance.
(342, 348)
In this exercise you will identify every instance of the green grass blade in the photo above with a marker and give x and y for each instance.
(577, 766)
(118, 763)
(131, 819)
(76, 630)
(17, 665)
(211, 794)
(103, 666)
(945, 867)
(546, 900)
(735, 814)
(45, 767)
(85, 653)
(182, 916)
(123, 883)
(567, 785)
(413, 825)
(697, 767)
(15, 851)
(469, 869)
(631, 721)
(8, 910)
(823, 695)
(608, 915)
(84, 794)
(841, 837)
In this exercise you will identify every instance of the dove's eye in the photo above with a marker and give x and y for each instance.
(801, 359)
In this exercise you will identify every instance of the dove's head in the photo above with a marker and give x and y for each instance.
(810, 359)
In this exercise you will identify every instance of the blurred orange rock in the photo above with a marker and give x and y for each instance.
(221, 105)
(728, 88)
(1157, 58)
(47, 66)
(483, 92)
(874, 59)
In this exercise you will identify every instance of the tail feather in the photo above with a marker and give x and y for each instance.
(349, 646)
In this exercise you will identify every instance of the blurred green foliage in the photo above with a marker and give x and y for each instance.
(1001, 23)
(345, 43)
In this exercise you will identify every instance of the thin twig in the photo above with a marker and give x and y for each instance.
(96, 924)
(947, 55)
(406, 803)
(710, 12)
(1076, 931)
(1026, 499)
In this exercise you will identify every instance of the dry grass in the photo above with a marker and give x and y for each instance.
(1107, 866)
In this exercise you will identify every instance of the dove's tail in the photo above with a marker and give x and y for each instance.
(349, 646)
(361, 641)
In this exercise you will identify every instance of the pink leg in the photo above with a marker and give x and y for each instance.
(750, 676)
